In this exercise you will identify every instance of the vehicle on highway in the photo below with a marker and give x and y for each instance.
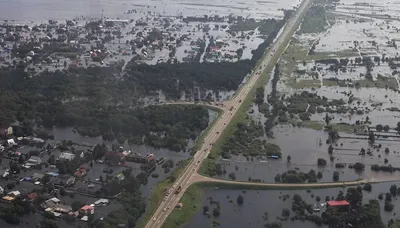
(178, 190)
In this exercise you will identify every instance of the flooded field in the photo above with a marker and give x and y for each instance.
(258, 203)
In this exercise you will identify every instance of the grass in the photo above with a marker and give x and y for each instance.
(157, 194)
(301, 84)
(344, 127)
(340, 54)
(191, 201)
(315, 21)
(363, 83)
(316, 125)
(245, 25)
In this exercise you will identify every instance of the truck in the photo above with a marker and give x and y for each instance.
(178, 190)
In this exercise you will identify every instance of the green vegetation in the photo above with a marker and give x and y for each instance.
(191, 201)
(245, 25)
(96, 103)
(158, 192)
(265, 27)
(293, 176)
(315, 21)
(199, 141)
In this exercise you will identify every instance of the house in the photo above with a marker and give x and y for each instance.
(37, 177)
(35, 160)
(11, 142)
(341, 204)
(54, 205)
(120, 177)
(80, 173)
(32, 196)
(101, 202)
(71, 181)
(62, 208)
(86, 210)
(11, 196)
(66, 156)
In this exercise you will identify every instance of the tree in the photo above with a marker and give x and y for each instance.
(319, 175)
(285, 212)
(46, 179)
(317, 198)
(386, 128)
(101, 179)
(289, 158)
(76, 205)
(327, 119)
(216, 211)
(393, 189)
(321, 162)
(330, 149)
(206, 209)
(48, 223)
(371, 137)
(273, 225)
(388, 206)
(354, 196)
(333, 135)
(240, 199)
(335, 176)
(52, 160)
(367, 187)
(379, 127)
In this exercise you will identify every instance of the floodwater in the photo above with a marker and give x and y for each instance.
(256, 203)
(22, 10)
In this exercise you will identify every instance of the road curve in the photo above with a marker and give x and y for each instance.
(198, 179)
(229, 108)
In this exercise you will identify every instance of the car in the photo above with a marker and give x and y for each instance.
(164, 209)
(154, 219)
(169, 207)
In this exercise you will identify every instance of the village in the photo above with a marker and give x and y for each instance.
(150, 39)
(76, 182)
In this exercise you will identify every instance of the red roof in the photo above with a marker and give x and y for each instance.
(338, 203)
(87, 207)
(32, 195)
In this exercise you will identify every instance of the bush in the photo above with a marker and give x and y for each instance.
(388, 206)
(367, 187)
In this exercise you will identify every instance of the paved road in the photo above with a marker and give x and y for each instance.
(229, 109)
(199, 178)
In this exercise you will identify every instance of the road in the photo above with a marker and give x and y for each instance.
(229, 108)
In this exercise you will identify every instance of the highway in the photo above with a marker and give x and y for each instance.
(230, 107)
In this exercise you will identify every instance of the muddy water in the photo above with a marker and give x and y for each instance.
(23, 10)
(256, 203)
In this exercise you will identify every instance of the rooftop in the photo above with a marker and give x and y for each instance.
(338, 203)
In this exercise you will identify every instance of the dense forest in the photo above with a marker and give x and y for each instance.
(96, 103)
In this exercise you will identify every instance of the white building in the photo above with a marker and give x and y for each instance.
(66, 157)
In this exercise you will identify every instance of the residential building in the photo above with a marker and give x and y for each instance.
(340, 204)
(119, 177)
(86, 210)
(37, 177)
(66, 156)
(35, 160)
(101, 202)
